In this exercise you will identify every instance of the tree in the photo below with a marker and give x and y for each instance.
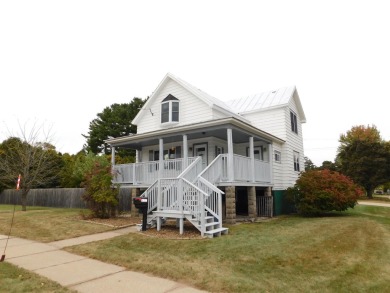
(364, 157)
(328, 165)
(319, 191)
(309, 165)
(114, 121)
(101, 197)
(31, 155)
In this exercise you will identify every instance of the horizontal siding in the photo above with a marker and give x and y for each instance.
(192, 109)
(294, 142)
(278, 168)
(271, 121)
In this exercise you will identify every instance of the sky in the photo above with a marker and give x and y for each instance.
(63, 62)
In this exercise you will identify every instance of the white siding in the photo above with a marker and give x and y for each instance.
(192, 109)
(271, 121)
(278, 168)
(294, 142)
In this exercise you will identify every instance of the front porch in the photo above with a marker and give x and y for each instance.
(184, 169)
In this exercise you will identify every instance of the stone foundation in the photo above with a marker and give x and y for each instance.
(252, 212)
(230, 193)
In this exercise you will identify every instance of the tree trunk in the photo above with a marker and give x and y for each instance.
(369, 193)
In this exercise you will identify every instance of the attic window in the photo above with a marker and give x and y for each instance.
(170, 109)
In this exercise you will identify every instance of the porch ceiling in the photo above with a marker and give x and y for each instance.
(241, 133)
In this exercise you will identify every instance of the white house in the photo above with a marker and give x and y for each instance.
(204, 160)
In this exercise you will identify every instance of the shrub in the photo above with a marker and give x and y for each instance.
(319, 191)
(100, 196)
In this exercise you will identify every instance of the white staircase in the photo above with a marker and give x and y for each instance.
(188, 196)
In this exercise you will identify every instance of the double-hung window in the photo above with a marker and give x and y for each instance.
(294, 123)
(170, 109)
(296, 162)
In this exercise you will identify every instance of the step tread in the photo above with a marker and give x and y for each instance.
(216, 230)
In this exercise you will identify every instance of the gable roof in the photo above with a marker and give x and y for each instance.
(209, 100)
(267, 100)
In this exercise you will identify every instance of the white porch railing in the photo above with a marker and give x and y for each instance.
(148, 172)
(217, 170)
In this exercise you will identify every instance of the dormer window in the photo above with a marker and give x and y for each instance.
(170, 109)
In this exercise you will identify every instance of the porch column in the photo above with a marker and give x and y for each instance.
(137, 155)
(230, 193)
(185, 151)
(252, 156)
(230, 163)
(161, 158)
(271, 163)
(252, 213)
(112, 155)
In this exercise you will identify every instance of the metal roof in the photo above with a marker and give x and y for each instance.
(263, 100)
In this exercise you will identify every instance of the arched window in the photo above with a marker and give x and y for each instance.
(170, 109)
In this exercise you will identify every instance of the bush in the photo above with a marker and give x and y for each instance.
(320, 191)
(100, 196)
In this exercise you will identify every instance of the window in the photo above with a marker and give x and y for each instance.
(294, 123)
(170, 109)
(278, 157)
(296, 162)
(258, 152)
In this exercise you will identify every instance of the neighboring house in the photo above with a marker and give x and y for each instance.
(205, 160)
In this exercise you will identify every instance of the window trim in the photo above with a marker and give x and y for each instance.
(170, 111)
(279, 155)
(296, 156)
(294, 122)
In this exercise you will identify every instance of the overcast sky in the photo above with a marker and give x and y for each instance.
(62, 62)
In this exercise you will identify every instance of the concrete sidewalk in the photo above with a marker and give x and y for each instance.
(81, 273)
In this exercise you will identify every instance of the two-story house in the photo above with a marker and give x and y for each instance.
(204, 160)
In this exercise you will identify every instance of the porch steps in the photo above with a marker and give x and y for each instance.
(216, 232)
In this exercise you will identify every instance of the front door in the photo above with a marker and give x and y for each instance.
(200, 150)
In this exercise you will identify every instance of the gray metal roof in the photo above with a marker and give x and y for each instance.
(263, 100)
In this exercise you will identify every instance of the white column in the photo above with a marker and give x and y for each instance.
(252, 156)
(161, 158)
(137, 155)
(185, 151)
(230, 164)
(271, 162)
(112, 156)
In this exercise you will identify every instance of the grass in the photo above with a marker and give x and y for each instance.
(26, 281)
(46, 224)
(348, 252)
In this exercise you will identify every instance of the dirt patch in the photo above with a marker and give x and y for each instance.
(170, 231)
(117, 222)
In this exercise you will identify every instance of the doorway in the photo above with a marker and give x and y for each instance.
(200, 150)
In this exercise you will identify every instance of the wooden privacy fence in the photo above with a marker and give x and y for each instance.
(59, 198)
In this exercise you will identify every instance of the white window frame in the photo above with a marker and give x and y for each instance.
(170, 111)
(278, 157)
(294, 122)
(296, 162)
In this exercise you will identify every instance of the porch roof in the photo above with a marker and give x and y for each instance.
(212, 128)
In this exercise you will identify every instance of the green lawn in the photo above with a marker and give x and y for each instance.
(348, 252)
(46, 224)
(14, 279)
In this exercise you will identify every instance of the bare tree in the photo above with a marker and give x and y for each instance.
(30, 154)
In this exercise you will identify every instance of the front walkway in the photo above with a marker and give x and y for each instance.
(374, 203)
(81, 273)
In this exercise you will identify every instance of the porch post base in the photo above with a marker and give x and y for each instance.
(230, 193)
(252, 213)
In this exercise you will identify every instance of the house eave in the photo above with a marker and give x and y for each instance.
(239, 124)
